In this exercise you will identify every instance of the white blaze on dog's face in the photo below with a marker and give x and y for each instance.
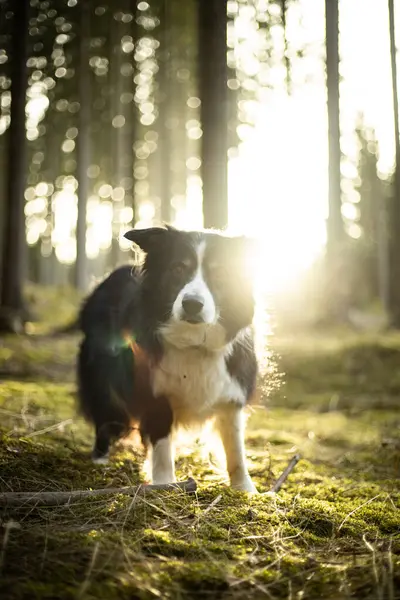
(196, 289)
(194, 315)
(195, 303)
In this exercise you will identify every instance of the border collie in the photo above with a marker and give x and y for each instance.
(170, 344)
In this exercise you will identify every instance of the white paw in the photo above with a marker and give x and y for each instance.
(163, 480)
(101, 460)
(244, 485)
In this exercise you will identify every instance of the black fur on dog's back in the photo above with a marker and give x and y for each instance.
(110, 307)
(105, 362)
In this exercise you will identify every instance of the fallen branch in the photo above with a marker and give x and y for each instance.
(60, 498)
(281, 480)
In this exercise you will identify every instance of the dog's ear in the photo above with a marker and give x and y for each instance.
(249, 244)
(146, 238)
(246, 247)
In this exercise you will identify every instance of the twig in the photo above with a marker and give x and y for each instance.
(49, 428)
(356, 509)
(207, 510)
(85, 583)
(211, 506)
(281, 480)
(59, 498)
(7, 528)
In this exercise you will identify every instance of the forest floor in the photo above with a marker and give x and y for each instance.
(332, 532)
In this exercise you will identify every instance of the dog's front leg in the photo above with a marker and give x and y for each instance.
(230, 425)
(156, 428)
(162, 461)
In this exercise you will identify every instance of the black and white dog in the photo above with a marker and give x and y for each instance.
(169, 344)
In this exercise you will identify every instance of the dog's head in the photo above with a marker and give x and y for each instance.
(196, 287)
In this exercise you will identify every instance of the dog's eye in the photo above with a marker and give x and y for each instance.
(178, 269)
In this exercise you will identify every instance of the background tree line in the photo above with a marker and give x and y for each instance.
(118, 114)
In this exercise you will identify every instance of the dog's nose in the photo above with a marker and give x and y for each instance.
(192, 305)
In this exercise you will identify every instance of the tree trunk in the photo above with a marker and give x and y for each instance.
(383, 249)
(83, 148)
(116, 29)
(213, 75)
(337, 301)
(394, 220)
(122, 136)
(164, 133)
(12, 309)
(335, 221)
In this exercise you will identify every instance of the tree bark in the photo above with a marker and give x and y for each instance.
(335, 221)
(164, 133)
(116, 109)
(213, 75)
(12, 309)
(394, 220)
(83, 148)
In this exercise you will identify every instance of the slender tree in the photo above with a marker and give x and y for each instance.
(372, 247)
(335, 221)
(164, 104)
(83, 146)
(337, 304)
(394, 220)
(122, 134)
(213, 75)
(12, 310)
(117, 111)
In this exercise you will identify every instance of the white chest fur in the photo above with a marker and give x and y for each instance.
(196, 383)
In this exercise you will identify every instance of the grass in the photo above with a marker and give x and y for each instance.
(332, 532)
